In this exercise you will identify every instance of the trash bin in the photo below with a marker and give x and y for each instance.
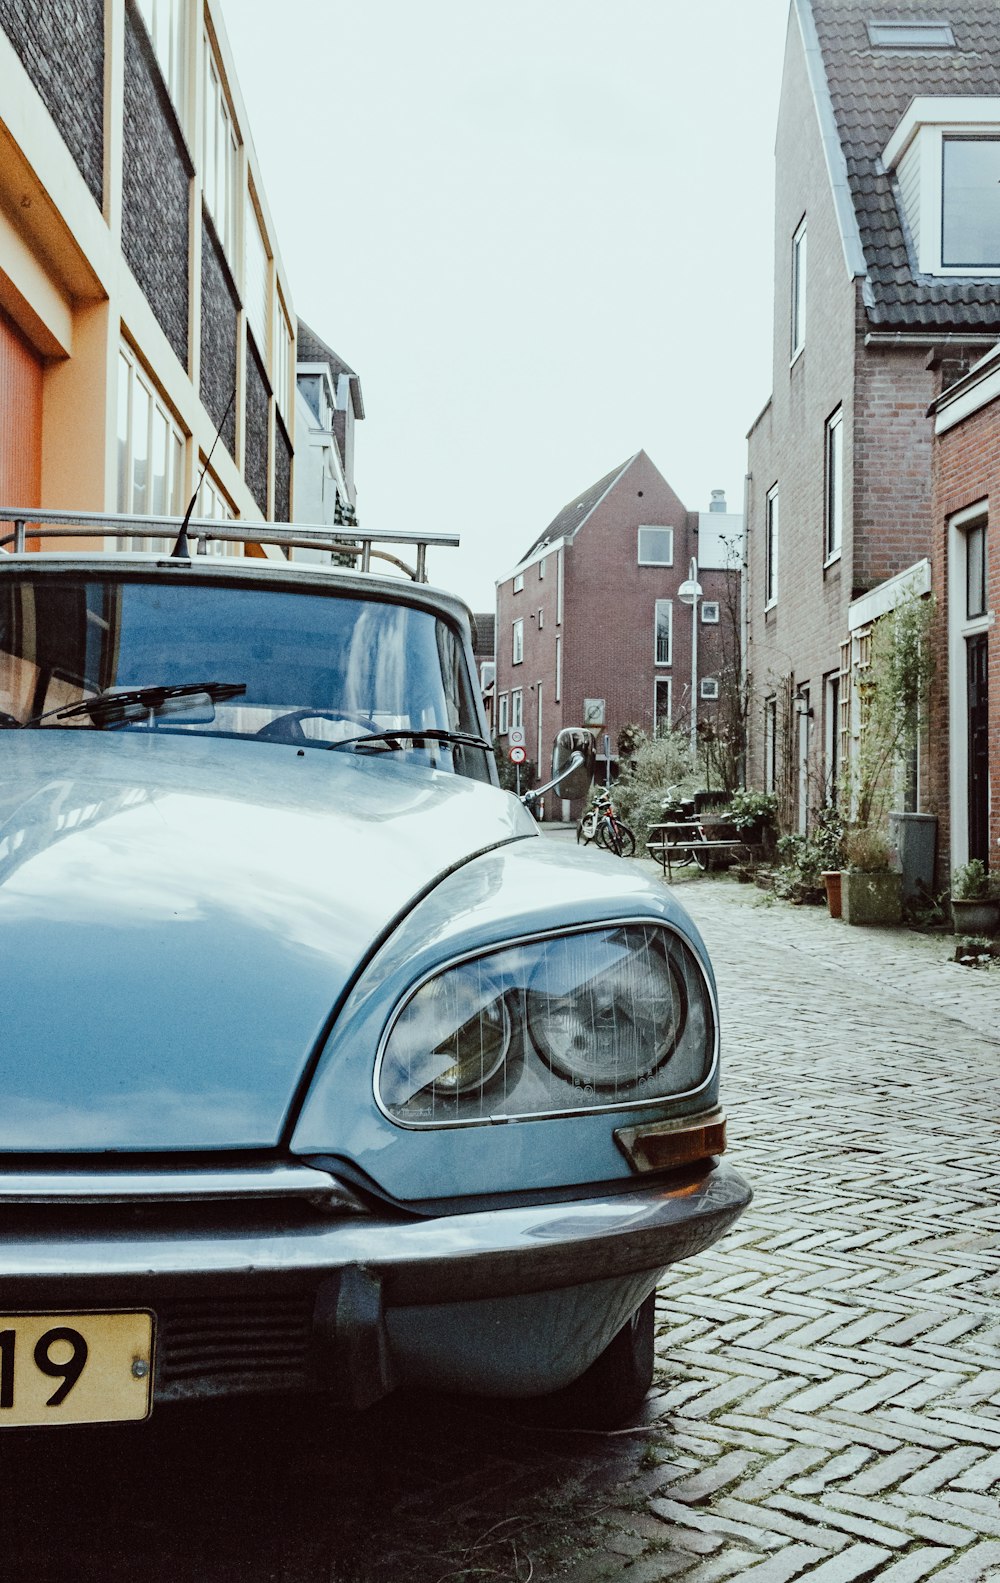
(914, 836)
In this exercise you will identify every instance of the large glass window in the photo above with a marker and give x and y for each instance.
(975, 571)
(656, 546)
(799, 290)
(517, 707)
(311, 669)
(663, 625)
(661, 706)
(220, 163)
(502, 715)
(970, 203)
(517, 641)
(165, 21)
(282, 358)
(256, 281)
(771, 548)
(834, 484)
(150, 471)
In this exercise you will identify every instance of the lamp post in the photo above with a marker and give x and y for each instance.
(689, 593)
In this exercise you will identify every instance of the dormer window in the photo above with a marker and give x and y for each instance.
(910, 35)
(945, 155)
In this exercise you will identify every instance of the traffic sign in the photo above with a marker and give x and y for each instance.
(517, 755)
(515, 739)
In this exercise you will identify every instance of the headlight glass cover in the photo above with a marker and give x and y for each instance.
(597, 1019)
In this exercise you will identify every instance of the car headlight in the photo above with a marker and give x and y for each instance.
(596, 1019)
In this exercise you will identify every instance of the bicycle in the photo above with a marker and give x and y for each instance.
(609, 832)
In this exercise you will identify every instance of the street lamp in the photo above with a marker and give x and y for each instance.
(689, 593)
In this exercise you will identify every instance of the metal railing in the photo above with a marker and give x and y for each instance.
(29, 523)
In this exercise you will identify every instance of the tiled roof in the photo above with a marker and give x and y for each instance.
(485, 635)
(310, 349)
(577, 511)
(870, 89)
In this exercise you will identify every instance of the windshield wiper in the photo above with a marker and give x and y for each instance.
(393, 740)
(106, 706)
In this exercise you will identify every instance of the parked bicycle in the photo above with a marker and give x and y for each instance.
(601, 824)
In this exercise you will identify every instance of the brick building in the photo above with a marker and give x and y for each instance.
(590, 630)
(966, 562)
(887, 288)
(142, 297)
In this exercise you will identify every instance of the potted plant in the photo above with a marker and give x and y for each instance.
(975, 899)
(752, 814)
(871, 892)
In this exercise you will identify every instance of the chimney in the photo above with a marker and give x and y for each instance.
(718, 502)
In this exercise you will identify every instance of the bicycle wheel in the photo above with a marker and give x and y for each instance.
(627, 840)
(701, 856)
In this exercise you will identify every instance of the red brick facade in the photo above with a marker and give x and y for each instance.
(588, 611)
(966, 476)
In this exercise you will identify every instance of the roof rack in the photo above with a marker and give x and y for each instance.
(29, 522)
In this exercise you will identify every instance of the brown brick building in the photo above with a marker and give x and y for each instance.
(887, 288)
(966, 562)
(590, 630)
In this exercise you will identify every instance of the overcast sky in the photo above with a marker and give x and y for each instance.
(541, 233)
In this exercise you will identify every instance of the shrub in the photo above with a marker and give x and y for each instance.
(867, 850)
(657, 769)
(971, 882)
(746, 809)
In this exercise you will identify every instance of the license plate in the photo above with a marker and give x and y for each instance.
(75, 1368)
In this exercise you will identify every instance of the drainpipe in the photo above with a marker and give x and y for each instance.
(745, 601)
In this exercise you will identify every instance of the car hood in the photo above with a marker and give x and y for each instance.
(179, 918)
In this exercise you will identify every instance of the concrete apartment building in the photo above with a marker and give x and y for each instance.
(966, 565)
(590, 630)
(142, 297)
(328, 404)
(887, 289)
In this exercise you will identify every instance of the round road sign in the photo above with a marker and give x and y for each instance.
(517, 755)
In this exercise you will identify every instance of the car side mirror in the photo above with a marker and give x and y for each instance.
(574, 779)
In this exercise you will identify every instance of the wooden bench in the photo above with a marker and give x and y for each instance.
(687, 836)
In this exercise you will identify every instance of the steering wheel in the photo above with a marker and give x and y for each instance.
(287, 728)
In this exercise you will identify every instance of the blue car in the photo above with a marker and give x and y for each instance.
(320, 1068)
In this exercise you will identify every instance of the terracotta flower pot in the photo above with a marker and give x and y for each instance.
(831, 879)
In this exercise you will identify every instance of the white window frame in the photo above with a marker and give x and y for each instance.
(487, 680)
(216, 506)
(662, 684)
(920, 135)
(710, 687)
(559, 663)
(663, 606)
(166, 24)
(517, 641)
(771, 548)
(284, 340)
(541, 618)
(644, 560)
(961, 626)
(518, 582)
(833, 492)
(502, 714)
(220, 151)
(517, 708)
(257, 274)
(710, 612)
(799, 287)
(541, 568)
(131, 374)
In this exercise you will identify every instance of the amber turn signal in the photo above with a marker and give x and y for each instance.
(672, 1143)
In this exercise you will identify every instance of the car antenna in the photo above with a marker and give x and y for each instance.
(182, 550)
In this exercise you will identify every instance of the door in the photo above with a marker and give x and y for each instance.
(979, 748)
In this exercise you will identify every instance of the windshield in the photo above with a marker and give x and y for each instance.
(312, 668)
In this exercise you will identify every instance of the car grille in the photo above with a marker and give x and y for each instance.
(207, 1346)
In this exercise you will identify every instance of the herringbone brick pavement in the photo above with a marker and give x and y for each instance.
(828, 1402)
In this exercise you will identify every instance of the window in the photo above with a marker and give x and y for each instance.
(656, 546)
(710, 612)
(975, 571)
(541, 618)
(517, 707)
(910, 35)
(798, 290)
(970, 203)
(487, 674)
(770, 744)
(150, 452)
(517, 641)
(663, 630)
(831, 736)
(518, 582)
(710, 687)
(558, 667)
(541, 568)
(834, 484)
(771, 548)
(164, 21)
(282, 357)
(213, 505)
(661, 706)
(221, 150)
(256, 280)
(502, 703)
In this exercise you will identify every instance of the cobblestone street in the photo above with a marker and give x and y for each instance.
(828, 1393)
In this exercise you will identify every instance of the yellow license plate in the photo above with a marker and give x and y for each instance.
(75, 1368)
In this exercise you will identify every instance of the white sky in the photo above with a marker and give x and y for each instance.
(541, 233)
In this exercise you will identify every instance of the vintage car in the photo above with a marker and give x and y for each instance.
(320, 1067)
